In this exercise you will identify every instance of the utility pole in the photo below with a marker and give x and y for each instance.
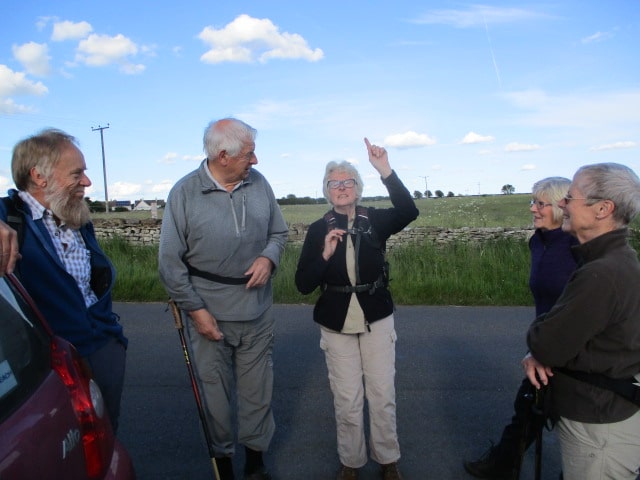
(426, 188)
(104, 166)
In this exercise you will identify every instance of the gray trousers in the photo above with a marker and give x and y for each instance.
(592, 451)
(236, 381)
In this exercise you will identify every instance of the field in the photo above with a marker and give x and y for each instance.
(452, 212)
(492, 273)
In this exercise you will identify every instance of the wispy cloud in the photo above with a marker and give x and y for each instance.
(247, 38)
(409, 139)
(577, 109)
(477, 16)
(596, 37)
(614, 146)
(520, 147)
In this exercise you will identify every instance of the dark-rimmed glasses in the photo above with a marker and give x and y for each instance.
(348, 183)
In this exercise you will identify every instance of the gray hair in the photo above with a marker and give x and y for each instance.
(553, 189)
(611, 181)
(227, 134)
(42, 151)
(343, 167)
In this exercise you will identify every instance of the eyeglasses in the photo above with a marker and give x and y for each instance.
(539, 204)
(567, 198)
(348, 183)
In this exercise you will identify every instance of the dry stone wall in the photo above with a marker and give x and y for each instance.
(147, 232)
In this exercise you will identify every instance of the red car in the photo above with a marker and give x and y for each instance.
(53, 423)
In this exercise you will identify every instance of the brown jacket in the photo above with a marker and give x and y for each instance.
(593, 327)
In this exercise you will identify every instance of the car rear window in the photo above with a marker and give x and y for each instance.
(25, 357)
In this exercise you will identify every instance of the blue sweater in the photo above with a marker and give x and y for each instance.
(552, 264)
(55, 291)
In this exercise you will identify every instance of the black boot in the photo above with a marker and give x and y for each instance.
(225, 468)
(493, 464)
(254, 468)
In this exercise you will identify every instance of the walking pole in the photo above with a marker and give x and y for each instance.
(538, 409)
(177, 317)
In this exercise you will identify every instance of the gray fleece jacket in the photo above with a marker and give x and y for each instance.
(222, 233)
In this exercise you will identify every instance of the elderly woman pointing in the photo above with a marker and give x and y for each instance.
(592, 334)
(343, 255)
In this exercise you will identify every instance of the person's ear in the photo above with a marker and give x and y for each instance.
(605, 209)
(37, 178)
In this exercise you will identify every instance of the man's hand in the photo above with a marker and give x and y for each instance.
(535, 370)
(260, 272)
(206, 325)
(9, 249)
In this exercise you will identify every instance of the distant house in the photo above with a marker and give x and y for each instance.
(146, 205)
(113, 204)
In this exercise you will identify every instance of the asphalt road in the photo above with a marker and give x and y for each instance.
(458, 369)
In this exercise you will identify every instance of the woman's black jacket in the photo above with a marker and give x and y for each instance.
(313, 271)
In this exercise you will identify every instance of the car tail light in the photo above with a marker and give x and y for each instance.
(96, 432)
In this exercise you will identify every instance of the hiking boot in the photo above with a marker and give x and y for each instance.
(261, 474)
(347, 473)
(491, 465)
(390, 472)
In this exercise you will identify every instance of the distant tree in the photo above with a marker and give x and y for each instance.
(417, 194)
(439, 193)
(450, 194)
(428, 194)
(508, 189)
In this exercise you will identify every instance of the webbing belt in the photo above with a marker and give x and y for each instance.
(193, 271)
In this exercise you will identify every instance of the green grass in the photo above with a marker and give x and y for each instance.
(491, 273)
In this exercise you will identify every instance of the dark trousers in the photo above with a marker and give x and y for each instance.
(520, 433)
(108, 364)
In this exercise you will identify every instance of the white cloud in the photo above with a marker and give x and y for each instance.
(528, 167)
(100, 50)
(9, 107)
(34, 57)
(119, 190)
(477, 15)
(246, 38)
(67, 30)
(16, 83)
(614, 146)
(473, 137)
(520, 147)
(162, 187)
(409, 139)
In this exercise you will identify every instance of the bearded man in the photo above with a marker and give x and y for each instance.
(57, 256)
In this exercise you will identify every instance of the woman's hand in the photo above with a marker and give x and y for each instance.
(378, 158)
(535, 370)
(331, 240)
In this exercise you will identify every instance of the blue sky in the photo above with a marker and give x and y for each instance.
(467, 97)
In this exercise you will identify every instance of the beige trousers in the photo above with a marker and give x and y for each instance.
(592, 451)
(363, 365)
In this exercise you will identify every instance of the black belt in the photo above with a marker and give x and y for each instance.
(366, 287)
(193, 271)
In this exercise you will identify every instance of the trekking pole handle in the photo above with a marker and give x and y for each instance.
(177, 316)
